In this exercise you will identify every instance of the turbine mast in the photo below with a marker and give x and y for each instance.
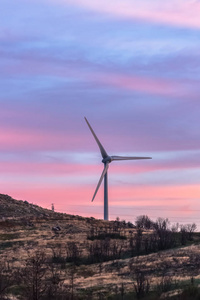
(106, 196)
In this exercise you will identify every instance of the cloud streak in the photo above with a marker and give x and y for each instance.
(176, 13)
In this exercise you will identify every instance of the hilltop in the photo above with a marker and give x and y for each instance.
(19, 213)
(11, 208)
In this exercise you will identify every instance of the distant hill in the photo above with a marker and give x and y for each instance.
(11, 208)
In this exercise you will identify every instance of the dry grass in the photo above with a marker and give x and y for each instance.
(22, 236)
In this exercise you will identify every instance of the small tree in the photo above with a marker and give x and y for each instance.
(184, 234)
(5, 279)
(73, 252)
(55, 287)
(138, 240)
(191, 229)
(72, 274)
(166, 237)
(187, 232)
(144, 222)
(33, 274)
(141, 280)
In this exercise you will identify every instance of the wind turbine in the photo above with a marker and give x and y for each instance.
(106, 160)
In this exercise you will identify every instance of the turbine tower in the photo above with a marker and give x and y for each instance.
(106, 160)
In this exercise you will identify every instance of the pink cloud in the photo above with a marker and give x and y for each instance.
(84, 169)
(47, 168)
(138, 195)
(23, 139)
(144, 84)
(176, 12)
(45, 195)
(177, 202)
(33, 63)
(141, 195)
(177, 163)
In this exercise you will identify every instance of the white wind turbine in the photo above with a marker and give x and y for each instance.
(106, 160)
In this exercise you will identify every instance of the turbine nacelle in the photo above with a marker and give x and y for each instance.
(106, 160)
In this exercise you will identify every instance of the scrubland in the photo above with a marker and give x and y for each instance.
(48, 255)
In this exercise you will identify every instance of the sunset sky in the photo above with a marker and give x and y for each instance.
(133, 69)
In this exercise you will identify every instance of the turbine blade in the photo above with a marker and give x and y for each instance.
(128, 157)
(103, 151)
(100, 180)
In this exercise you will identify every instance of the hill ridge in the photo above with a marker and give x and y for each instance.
(12, 208)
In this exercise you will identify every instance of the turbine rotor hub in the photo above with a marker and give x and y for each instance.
(107, 159)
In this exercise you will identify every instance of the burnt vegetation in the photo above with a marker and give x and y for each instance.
(58, 256)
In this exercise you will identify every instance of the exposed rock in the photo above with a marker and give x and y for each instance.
(56, 228)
